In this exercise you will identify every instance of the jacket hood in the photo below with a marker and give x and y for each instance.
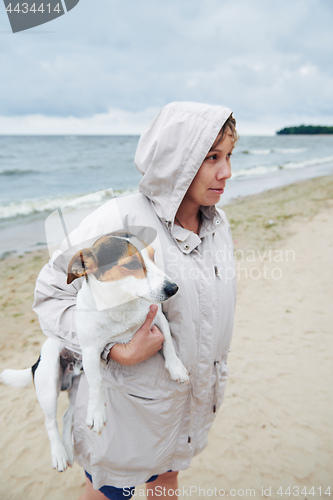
(171, 150)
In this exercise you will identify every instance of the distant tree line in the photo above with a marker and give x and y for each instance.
(306, 129)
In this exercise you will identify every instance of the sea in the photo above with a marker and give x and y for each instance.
(41, 174)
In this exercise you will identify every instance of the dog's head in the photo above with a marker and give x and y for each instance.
(123, 263)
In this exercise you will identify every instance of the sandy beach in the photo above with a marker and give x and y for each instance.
(275, 426)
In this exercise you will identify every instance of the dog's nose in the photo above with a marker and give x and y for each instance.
(171, 289)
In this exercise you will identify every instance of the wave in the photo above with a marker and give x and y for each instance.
(16, 171)
(256, 152)
(250, 172)
(259, 152)
(308, 163)
(289, 150)
(31, 207)
(266, 170)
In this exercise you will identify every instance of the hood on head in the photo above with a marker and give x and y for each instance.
(172, 149)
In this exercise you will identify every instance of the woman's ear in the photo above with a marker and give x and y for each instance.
(82, 263)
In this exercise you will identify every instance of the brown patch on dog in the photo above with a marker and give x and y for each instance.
(82, 263)
(111, 258)
(132, 265)
(151, 253)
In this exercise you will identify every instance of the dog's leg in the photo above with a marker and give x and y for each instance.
(96, 414)
(67, 430)
(173, 364)
(48, 383)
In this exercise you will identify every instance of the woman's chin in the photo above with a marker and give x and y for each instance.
(214, 196)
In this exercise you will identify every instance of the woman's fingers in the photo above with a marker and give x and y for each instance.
(159, 336)
(146, 342)
(151, 315)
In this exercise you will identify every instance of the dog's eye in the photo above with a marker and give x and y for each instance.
(133, 265)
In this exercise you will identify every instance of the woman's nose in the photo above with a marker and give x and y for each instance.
(224, 172)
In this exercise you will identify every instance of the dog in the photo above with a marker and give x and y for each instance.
(121, 281)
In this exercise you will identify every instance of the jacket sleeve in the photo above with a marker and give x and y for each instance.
(55, 300)
(55, 303)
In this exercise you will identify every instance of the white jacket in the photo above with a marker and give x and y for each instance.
(150, 417)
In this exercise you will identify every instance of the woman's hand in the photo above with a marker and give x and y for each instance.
(146, 342)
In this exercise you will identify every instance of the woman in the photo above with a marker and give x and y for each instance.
(154, 425)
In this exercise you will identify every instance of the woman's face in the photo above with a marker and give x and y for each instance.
(209, 183)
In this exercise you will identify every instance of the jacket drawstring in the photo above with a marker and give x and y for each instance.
(216, 388)
(189, 438)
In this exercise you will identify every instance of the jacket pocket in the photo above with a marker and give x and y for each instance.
(148, 379)
(140, 434)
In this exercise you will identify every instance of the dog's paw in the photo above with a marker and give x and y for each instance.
(96, 419)
(70, 451)
(59, 457)
(177, 371)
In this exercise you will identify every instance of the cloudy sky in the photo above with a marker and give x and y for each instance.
(107, 66)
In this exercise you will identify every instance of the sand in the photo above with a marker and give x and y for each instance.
(275, 426)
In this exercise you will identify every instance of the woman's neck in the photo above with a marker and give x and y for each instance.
(188, 216)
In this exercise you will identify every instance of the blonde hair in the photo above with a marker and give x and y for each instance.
(230, 124)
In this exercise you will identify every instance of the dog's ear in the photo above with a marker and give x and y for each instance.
(81, 264)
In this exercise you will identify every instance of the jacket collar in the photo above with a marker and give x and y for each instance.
(186, 240)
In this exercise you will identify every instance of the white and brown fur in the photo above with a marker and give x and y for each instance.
(121, 281)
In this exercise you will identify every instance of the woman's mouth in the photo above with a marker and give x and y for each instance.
(217, 190)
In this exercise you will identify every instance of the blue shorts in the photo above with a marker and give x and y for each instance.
(114, 493)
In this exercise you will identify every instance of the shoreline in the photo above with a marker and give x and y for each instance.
(274, 427)
(23, 233)
(242, 213)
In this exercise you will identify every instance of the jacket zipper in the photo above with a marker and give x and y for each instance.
(216, 362)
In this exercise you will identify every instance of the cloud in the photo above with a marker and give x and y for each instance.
(269, 61)
(114, 121)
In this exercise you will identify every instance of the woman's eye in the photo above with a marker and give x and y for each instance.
(211, 157)
(133, 265)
